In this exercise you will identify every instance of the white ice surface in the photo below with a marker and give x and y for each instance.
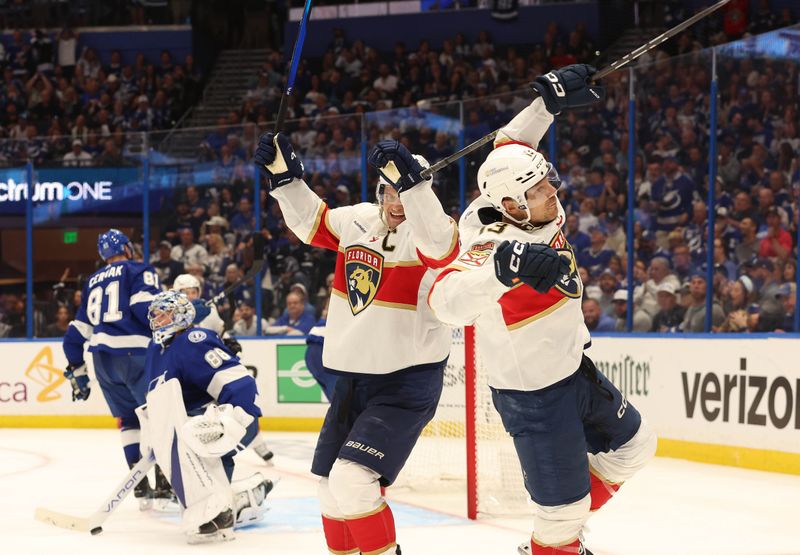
(671, 508)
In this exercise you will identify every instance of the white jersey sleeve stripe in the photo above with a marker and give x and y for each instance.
(83, 328)
(120, 341)
(224, 377)
(141, 297)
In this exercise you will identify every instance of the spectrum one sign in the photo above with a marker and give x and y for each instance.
(11, 191)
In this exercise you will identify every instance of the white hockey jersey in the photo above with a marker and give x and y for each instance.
(378, 319)
(526, 339)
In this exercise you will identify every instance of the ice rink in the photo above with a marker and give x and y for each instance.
(672, 508)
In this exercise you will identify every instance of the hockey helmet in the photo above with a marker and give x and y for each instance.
(185, 281)
(509, 171)
(113, 243)
(169, 313)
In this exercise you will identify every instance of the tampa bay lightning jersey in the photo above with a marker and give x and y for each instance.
(113, 312)
(206, 369)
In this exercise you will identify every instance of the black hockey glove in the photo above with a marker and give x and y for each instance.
(569, 87)
(79, 380)
(276, 156)
(233, 346)
(408, 167)
(536, 264)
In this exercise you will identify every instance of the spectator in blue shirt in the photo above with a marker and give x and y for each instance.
(594, 318)
(577, 238)
(294, 320)
(596, 257)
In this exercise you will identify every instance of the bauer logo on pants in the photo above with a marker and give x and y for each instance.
(362, 268)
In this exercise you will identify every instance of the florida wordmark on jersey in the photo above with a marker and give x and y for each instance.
(207, 370)
(382, 277)
(527, 340)
(113, 312)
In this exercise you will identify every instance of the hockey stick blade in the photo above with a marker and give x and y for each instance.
(258, 263)
(94, 521)
(63, 520)
(626, 59)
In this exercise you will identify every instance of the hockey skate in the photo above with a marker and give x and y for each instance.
(164, 498)
(144, 494)
(525, 549)
(249, 495)
(219, 529)
(260, 447)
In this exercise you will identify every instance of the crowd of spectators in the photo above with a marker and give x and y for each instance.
(62, 106)
(206, 228)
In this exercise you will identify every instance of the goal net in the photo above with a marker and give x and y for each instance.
(465, 448)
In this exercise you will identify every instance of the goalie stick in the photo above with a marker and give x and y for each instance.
(626, 59)
(258, 263)
(94, 522)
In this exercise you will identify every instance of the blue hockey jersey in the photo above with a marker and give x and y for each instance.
(206, 369)
(113, 312)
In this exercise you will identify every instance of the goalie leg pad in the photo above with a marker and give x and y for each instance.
(560, 524)
(200, 483)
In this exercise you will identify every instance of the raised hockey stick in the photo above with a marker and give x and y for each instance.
(94, 522)
(258, 263)
(626, 59)
(298, 48)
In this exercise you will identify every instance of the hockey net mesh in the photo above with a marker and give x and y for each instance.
(440, 459)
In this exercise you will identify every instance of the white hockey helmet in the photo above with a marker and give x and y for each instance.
(185, 281)
(509, 171)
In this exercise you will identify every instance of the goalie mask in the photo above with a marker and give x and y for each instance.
(509, 171)
(170, 312)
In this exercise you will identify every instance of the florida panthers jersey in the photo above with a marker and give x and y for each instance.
(378, 319)
(113, 312)
(526, 339)
(207, 370)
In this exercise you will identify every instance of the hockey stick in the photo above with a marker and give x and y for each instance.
(626, 59)
(298, 48)
(258, 263)
(94, 522)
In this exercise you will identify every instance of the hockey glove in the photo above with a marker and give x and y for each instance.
(536, 264)
(79, 380)
(569, 87)
(396, 164)
(276, 156)
(233, 346)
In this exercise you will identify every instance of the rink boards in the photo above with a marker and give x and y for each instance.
(724, 400)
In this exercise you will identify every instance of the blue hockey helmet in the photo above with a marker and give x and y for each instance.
(169, 313)
(112, 243)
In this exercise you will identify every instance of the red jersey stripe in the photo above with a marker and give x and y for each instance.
(522, 305)
(322, 235)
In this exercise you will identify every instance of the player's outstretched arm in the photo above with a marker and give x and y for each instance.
(434, 232)
(305, 213)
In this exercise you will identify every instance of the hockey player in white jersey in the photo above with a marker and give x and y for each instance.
(112, 319)
(201, 410)
(381, 339)
(206, 316)
(517, 281)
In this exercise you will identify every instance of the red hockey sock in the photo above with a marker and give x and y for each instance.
(338, 536)
(601, 491)
(572, 548)
(374, 532)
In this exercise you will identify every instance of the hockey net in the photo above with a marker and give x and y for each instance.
(465, 448)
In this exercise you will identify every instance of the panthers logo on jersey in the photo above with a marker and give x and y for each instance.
(570, 285)
(363, 269)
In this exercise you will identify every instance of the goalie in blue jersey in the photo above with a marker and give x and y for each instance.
(201, 410)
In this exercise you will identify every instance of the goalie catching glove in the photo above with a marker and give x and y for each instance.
(569, 87)
(218, 431)
(79, 380)
(535, 264)
(276, 155)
